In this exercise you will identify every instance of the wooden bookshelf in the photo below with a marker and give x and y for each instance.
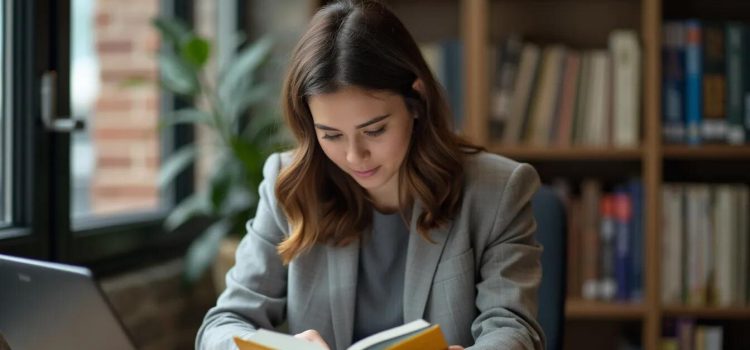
(583, 309)
(715, 313)
(585, 24)
(712, 152)
(566, 153)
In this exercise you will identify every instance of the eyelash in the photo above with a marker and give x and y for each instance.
(368, 133)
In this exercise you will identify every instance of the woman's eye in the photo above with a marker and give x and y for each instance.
(375, 132)
(331, 137)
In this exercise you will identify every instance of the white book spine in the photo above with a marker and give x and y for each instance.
(626, 63)
(725, 256)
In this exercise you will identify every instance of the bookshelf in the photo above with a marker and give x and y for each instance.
(585, 24)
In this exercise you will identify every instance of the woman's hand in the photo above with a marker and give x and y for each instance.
(313, 336)
(455, 347)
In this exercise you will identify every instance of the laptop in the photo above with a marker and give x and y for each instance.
(47, 305)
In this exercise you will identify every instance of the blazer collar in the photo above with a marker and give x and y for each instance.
(343, 263)
(422, 258)
(421, 263)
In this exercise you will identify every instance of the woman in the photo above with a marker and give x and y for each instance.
(381, 215)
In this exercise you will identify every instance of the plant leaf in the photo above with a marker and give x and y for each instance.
(203, 250)
(186, 116)
(178, 76)
(189, 208)
(219, 185)
(241, 99)
(249, 154)
(196, 51)
(174, 30)
(176, 163)
(242, 67)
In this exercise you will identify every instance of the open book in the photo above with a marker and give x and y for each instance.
(415, 335)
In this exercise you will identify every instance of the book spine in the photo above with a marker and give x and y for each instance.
(693, 81)
(591, 194)
(522, 91)
(608, 286)
(735, 83)
(626, 68)
(714, 124)
(566, 107)
(507, 58)
(673, 94)
(623, 214)
(635, 188)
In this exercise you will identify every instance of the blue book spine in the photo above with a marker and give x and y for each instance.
(693, 80)
(673, 94)
(635, 190)
(623, 236)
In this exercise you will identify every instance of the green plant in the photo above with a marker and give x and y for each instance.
(244, 139)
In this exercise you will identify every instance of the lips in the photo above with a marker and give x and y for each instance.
(367, 173)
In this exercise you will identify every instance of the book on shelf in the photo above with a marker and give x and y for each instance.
(556, 95)
(704, 254)
(445, 60)
(626, 83)
(505, 60)
(735, 39)
(673, 81)
(544, 104)
(693, 82)
(713, 128)
(706, 82)
(605, 244)
(685, 333)
(415, 335)
(522, 92)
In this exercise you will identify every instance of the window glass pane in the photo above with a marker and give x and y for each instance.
(115, 161)
(5, 178)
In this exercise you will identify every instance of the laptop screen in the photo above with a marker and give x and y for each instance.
(54, 306)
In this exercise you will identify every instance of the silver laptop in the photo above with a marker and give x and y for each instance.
(54, 306)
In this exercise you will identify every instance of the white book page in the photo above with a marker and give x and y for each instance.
(376, 338)
(282, 341)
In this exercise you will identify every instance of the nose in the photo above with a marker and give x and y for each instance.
(356, 152)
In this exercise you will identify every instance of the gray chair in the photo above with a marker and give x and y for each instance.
(550, 215)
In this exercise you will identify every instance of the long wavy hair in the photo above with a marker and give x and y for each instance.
(363, 44)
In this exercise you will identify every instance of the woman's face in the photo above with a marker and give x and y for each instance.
(365, 133)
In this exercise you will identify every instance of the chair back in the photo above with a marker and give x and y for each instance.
(550, 214)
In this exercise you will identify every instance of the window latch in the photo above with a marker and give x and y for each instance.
(52, 122)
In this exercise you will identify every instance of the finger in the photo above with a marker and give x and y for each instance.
(455, 347)
(313, 336)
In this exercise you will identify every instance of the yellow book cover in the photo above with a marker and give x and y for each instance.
(415, 335)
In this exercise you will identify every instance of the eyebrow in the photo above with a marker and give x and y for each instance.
(360, 126)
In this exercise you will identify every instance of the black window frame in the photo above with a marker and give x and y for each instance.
(41, 226)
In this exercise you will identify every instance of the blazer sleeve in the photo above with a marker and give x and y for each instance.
(255, 296)
(510, 271)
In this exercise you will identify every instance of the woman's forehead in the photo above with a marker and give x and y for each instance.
(352, 105)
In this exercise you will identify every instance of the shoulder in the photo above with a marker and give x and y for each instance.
(275, 163)
(488, 172)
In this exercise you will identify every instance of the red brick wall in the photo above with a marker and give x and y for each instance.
(124, 120)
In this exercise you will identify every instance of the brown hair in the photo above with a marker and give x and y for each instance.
(363, 44)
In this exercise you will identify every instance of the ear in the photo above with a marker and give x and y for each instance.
(418, 86)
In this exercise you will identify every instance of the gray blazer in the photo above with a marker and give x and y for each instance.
(479, 281)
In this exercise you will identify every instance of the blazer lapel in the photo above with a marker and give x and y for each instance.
(343, 263)
(422, 258)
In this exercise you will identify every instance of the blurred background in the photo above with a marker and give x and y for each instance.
(636, 113)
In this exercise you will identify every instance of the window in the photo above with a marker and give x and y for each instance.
(115, 159)
(86, 192)
(5, 176)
